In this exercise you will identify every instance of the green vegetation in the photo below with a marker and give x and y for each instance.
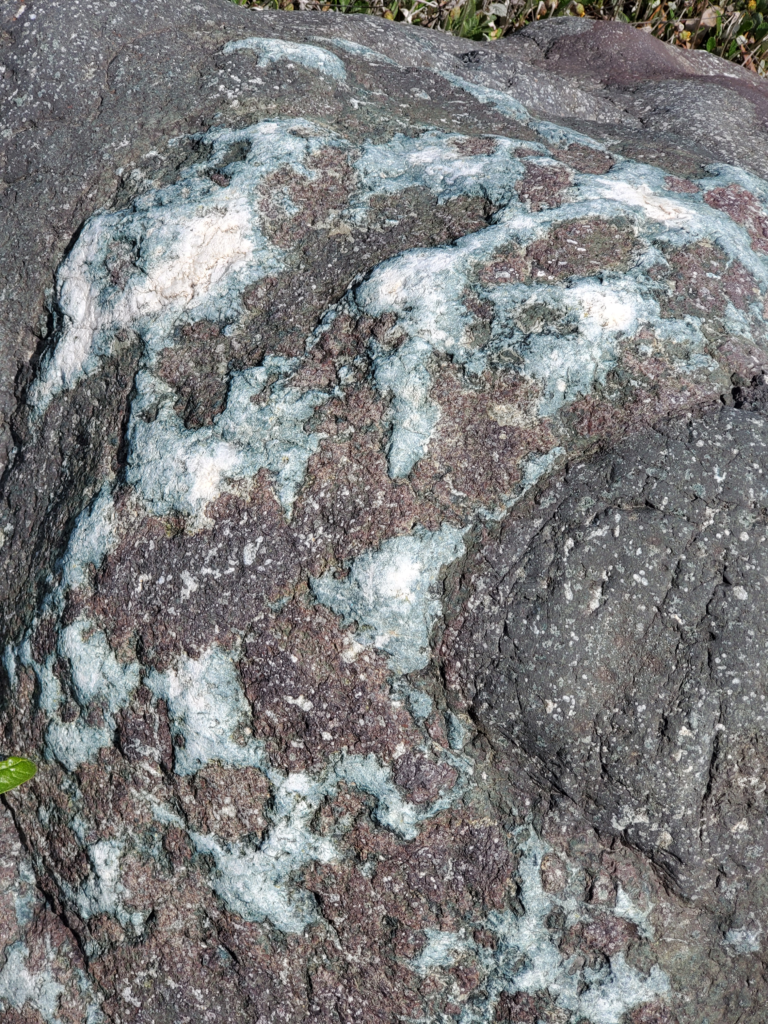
(735, 30)
(14, 771)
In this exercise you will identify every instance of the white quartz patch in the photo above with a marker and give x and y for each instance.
(567, 364)
(662, 208)
(390, 594)
(260, 883)
(398, 815)
(678, 218)
(95, 671)
(270, 51)
(423, 288)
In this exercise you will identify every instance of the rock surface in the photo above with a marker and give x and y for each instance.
(384, 522)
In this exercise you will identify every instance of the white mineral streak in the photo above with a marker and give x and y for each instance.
(745, 940)
(211, 722)
(100, 893)
(526, 959)
(434, 161)
(18, 986)
(256, 883)
(425, 288)
(390, 594)
(184, 258)
(631, 912)
(272, 50)
(442, 950)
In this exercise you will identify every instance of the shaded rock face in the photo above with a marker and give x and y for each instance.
(620, 640)
(384, 524)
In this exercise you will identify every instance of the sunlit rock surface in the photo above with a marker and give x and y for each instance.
(383, 522)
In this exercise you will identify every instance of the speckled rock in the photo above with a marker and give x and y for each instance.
(384, 520)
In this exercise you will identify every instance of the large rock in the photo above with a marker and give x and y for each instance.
(384, 522)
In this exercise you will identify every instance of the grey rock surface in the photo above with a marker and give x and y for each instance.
(384, 518)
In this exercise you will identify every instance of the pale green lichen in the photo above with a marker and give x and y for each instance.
(390, 593)
(526, 957)
(178, 254)
(95, 676)
(207, 708)
(270, 51)
(19, 987)
(174, 468)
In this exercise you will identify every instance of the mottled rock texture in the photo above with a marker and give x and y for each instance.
(384, 522)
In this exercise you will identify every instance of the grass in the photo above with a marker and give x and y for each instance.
(736, 30)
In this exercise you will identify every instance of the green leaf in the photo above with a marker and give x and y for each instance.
(14, 771)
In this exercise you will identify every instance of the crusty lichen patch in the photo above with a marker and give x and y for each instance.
(354, 359)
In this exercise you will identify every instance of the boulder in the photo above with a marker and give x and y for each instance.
(383, 522)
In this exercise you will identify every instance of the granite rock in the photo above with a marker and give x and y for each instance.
(384, 423)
